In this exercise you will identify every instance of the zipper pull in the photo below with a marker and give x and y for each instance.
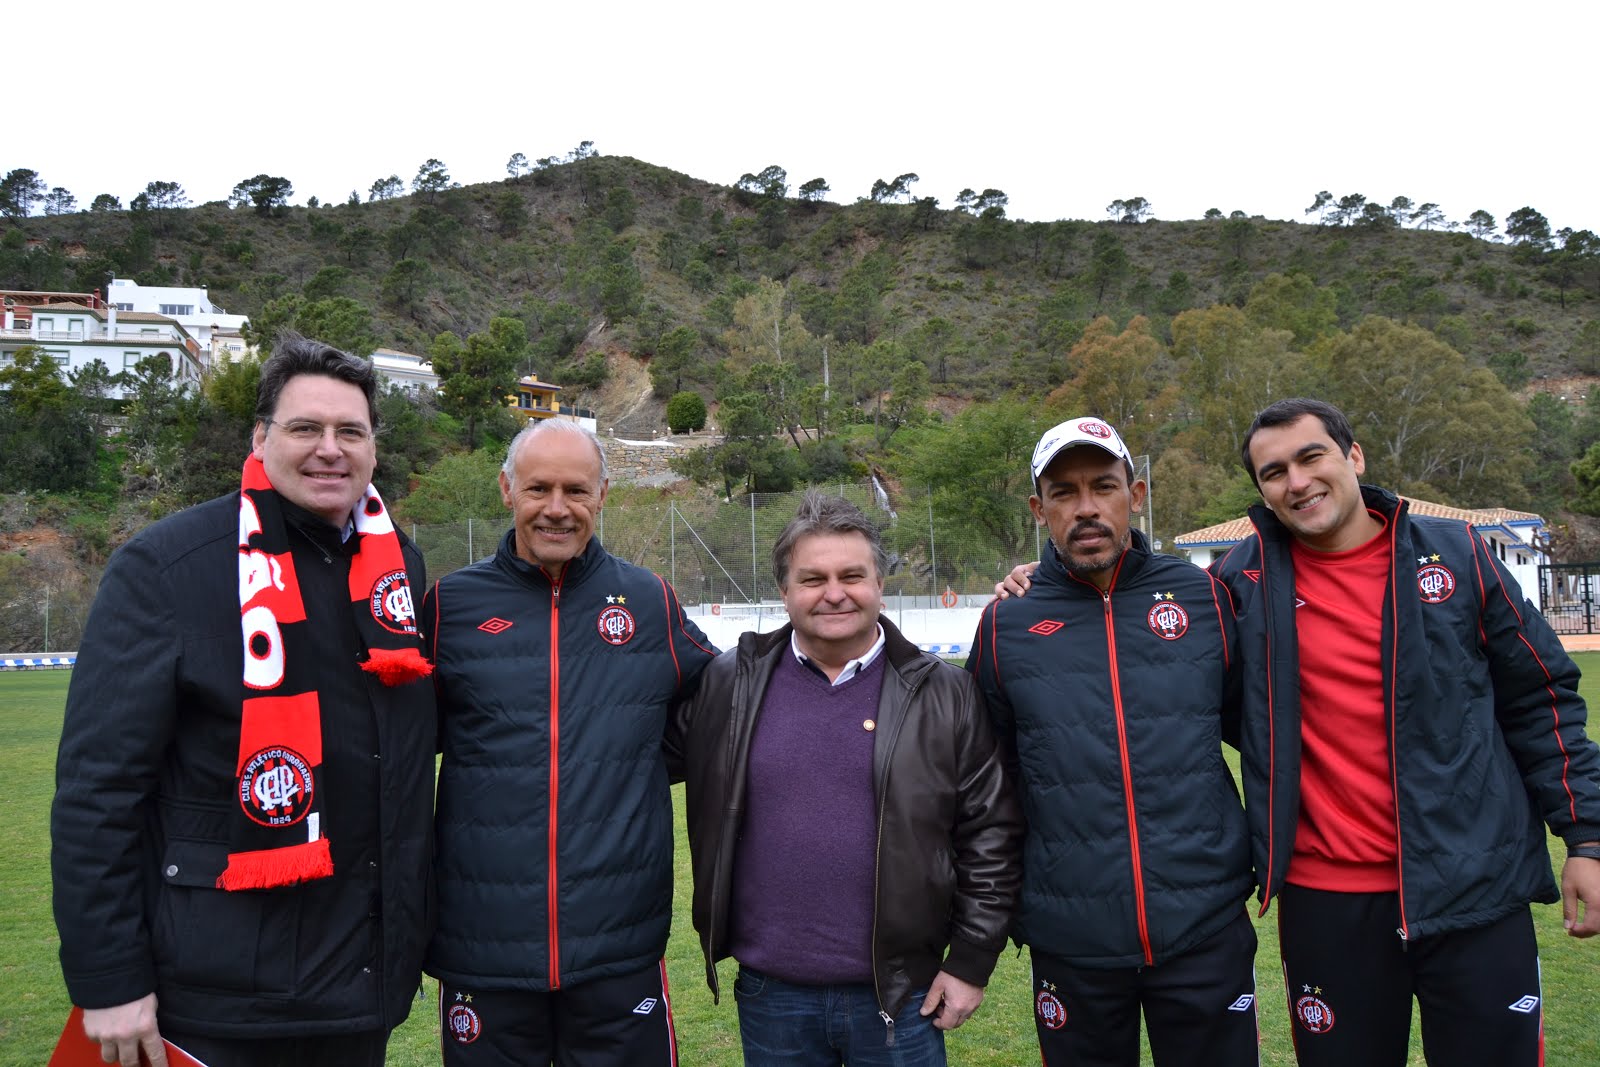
(888, 1022)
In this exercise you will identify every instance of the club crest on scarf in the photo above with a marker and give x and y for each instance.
(276, 787)
(277, 840)
(391, 603)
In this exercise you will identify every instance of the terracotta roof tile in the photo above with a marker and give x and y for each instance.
(1236, 530)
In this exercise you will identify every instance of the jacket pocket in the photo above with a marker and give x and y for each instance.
(211, 939)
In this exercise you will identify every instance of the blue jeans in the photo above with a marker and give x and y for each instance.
(784, 1025)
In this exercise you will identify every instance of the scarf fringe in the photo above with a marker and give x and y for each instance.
(272, 867)
(396, 666)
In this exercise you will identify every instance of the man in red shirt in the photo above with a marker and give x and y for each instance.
(1411, 725)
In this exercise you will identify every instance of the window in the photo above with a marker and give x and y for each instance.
(123, 307)
(177, 309)
(61, 356)
(130, 360)
(45, 323)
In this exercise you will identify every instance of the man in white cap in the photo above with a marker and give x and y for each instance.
(1112, 685)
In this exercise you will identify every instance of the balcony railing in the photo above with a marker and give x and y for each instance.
(97, 333)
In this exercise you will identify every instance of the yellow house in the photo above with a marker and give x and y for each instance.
(536, 399)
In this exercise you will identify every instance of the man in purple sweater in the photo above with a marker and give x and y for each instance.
(855, 839)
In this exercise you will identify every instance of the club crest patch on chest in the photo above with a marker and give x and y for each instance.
(1168, 620)
(616, 625)
(1435, 583)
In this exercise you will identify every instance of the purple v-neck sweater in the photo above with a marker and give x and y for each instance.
(803, 875)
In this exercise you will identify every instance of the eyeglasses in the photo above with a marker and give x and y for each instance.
(305, 432)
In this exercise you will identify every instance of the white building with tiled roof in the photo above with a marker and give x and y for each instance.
(218, 333)
(1518, 538)
(75, 335)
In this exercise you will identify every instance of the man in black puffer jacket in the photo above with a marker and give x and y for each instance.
(556, 664)
(1410, 722)
(1113, 686)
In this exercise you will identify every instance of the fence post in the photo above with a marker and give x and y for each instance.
(672, 539)
(933, 551)
(753, 578)
(470, 553)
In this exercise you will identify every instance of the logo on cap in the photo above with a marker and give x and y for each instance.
(1095, 429)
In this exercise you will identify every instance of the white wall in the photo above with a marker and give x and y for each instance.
(944, 631)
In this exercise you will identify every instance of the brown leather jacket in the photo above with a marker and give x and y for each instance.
(949, 826)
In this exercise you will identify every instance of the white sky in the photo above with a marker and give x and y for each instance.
(1064, 105)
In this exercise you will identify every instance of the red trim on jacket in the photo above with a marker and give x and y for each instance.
(994, 644)
(1134, 855)
(669, 600)
(1222, 626)
(1268, 891)
(552, 900)
(1555, 709)
(1393, 712)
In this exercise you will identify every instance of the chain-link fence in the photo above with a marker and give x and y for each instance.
(717, 552)
(944, 544)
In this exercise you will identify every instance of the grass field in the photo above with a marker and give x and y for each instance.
(33, 1001)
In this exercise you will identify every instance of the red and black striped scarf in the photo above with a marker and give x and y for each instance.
(277, 838)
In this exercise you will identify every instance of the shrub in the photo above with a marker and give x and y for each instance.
(686, 412)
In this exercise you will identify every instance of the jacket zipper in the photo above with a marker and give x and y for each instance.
(1267, 889)
(731, 760)
(877, 856)
(1127, 784)
(882, 792)
(552, 901)
(1404, 929)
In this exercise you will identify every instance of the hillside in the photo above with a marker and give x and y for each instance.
(528, 243)
(927, 345)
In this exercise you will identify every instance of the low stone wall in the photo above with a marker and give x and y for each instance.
(648, 462)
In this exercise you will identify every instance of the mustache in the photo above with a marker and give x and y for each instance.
(1089, 526)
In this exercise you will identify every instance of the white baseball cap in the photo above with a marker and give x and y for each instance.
(1073, 432)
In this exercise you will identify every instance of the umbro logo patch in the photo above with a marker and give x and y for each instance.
(1243, 1003)
(1045, 628)
(1525, 1005)
(646, 1006)
(495, 626)
(1254, 576)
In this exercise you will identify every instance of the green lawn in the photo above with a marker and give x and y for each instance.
(33, 1001)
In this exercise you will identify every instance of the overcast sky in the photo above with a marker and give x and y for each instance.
(1065, 106)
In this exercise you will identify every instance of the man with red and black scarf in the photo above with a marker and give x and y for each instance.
(242, 823)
